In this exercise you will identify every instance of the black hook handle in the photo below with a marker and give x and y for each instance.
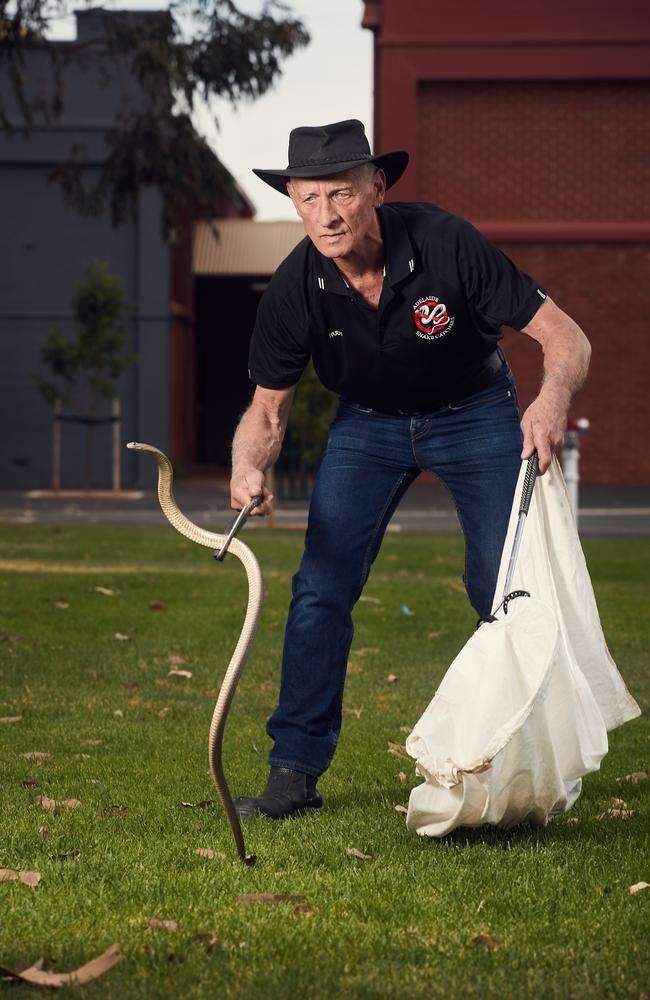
(220, 555)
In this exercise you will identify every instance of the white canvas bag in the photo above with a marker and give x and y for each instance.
(523, 711)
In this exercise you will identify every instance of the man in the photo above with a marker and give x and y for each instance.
(400, 308)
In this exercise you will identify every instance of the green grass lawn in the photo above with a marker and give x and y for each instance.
(556, 900)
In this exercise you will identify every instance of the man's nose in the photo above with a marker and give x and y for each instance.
(327, 214)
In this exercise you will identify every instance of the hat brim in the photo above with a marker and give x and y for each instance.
(393, 164)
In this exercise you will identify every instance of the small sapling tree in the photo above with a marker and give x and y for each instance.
(83, 368)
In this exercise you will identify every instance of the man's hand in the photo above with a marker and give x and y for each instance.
(256, 447)
(566, 361)
(543, 425)
(245, 484)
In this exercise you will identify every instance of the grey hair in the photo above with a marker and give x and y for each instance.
(365, 170)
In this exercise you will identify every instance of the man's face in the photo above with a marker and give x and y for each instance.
(338, 213)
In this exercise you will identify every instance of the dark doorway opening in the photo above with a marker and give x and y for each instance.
(225, 315)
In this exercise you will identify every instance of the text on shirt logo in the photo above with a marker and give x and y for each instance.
(432, 320)
(336, 333)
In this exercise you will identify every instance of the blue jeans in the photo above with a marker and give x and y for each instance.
(474, 448)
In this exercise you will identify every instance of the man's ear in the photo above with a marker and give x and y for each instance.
(379, 184)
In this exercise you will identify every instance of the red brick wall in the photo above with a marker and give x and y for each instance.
(606, 288)
(561, 151)
(552, 150)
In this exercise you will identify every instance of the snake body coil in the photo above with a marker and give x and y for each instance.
(247, 636)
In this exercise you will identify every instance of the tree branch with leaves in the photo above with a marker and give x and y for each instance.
(197, 50)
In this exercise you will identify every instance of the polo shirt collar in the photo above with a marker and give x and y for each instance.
(400, 258)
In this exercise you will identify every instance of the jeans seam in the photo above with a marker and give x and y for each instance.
(365, 569)
(462, 528)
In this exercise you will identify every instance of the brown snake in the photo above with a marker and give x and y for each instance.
(247, 636)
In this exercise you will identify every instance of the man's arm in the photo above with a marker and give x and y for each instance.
(256, 446)
(566, 361)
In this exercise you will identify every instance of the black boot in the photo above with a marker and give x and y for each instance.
(287, 793)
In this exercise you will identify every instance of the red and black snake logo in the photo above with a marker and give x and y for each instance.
(432, 320)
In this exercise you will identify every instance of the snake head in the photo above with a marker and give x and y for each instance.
(164, 465)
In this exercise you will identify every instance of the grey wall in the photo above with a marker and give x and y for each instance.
(45, 248)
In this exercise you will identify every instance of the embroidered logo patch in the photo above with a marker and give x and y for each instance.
(432, 320)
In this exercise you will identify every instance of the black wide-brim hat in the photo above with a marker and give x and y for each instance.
(327, 150)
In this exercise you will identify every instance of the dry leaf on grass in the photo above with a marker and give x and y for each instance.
(46, 803)
(435, 635)
(90, 743)
(207, 852)
(354, 852)
(203, 804)
(369, 600)
(91, 970)
(120, 810)
(405, 729)
(356, 712)
(304, 909)
(163, 713)
(169, 925)
(131, 685)
(392, 678)
(106, 591)
(486, 941)
(367, 651)
(62, 605)
(35, 755)
(402, 776)
(571, 820)
(157, 606)
(401, 809)
(397, 750)
(211, 941)
(175, 659)
(179, 673)
(617, 814)
(121, 637)
(11, 718)
(637, 887)
(29, 783)
(118, 713)
(27, 878)
(636, 776)
(268, 898)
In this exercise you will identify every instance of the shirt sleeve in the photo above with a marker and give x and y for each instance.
(279, 349)
(497, 289)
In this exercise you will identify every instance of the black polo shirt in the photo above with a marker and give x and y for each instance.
(447, 291)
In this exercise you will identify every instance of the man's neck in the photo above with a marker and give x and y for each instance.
(367, 260)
